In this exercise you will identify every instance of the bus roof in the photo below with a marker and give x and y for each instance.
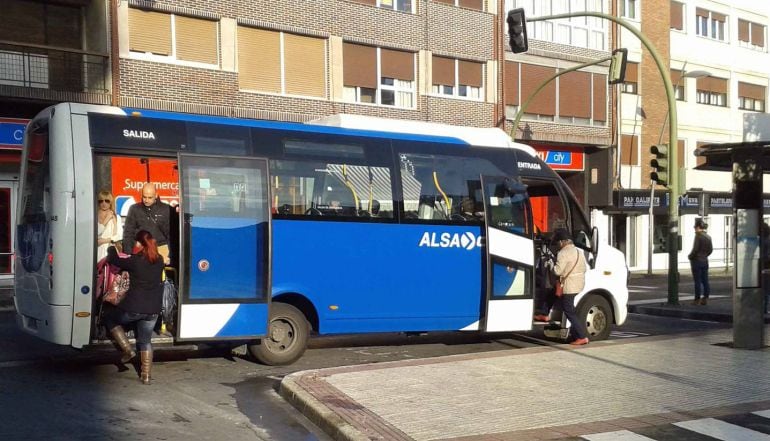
(479, 136)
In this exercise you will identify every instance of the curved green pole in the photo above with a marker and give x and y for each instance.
(542, 85)
(673, 172)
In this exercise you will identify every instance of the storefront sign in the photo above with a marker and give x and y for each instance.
(562, 159)
(12, 133)
(130, 174)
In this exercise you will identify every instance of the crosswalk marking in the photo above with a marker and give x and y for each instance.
(704, 428)
(722, 430)
(620, 435)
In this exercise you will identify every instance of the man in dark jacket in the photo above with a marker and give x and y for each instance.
(699, 263)
(151, 215)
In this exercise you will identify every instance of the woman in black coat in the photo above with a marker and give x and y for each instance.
(142, 303)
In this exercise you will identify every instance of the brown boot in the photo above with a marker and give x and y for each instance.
(122, 341)
(704, 301)
(146, 366)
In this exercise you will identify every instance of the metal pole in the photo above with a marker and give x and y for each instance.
(673, 206)
(651, 230)
(542, 85)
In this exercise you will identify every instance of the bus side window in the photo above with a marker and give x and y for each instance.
(316, 188)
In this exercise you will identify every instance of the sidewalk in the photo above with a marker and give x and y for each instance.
(719, 308)
(518, 394)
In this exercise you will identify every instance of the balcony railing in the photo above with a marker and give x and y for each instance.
(56, 69)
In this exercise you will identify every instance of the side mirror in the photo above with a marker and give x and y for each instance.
(594, 240)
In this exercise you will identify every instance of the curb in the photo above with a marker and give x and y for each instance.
(313, 409)
(685, 314)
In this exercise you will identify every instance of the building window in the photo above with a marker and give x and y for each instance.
(159, 36)
(373, 75)
(458, 78)
(678, 82)
(710, 24)
(629, 150)
(628, 9)
(470, 4)
(751, 97)
(396, 5)
(677, 15)
(631, 83)
(578, 98)
(588, 32)
(751, 35)
(712, 91)
(282, 63)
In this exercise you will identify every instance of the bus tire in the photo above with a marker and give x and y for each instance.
(286, 338)
(596, 314)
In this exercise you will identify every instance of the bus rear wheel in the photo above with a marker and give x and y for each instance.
(286, 337)
(597, 316)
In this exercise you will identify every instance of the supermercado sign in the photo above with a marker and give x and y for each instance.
(130, 174)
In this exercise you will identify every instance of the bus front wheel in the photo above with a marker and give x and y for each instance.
(286, 337)
(597, 316)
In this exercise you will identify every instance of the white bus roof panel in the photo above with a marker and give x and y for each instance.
(487, 137)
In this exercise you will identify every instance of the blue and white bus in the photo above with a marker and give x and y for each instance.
(287, 230)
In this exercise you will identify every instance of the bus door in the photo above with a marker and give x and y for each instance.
(225, 248)
(510, 255)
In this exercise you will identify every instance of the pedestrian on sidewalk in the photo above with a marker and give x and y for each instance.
(571, 269)
(699, 262)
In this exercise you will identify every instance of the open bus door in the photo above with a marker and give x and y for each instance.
(510, 255)
(225, 262)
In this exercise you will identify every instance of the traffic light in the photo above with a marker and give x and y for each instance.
(618, 66)
(660, 166)
(517, 31)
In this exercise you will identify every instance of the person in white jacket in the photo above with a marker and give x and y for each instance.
(109, 226)
(570, 267)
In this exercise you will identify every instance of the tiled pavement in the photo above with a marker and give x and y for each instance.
(524, 394)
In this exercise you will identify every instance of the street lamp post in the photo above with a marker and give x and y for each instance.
(673, 206)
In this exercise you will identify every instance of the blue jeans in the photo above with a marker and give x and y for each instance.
(145, 323)
(578, 328)
(700, 275)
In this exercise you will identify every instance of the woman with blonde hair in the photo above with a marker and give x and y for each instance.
(109, 226)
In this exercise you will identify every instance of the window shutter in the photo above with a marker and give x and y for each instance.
(700, 12)
(676, 76)
(718, 17)
(305, 65)
(359, 65)
(511, 83)
(196, 40)
(712, 84)
(397, 64)
(757, 35)
(149, 31)
(443, 71)
(600, 97)
(531, 77)
(470, 73)
(680, 159)
(367, 2)
(23, 22)
(743, 30)
(632, 72)
(753, 91)
(259, 60)
(574, 88)
(677, 19)
(472, 4)
(629, 147)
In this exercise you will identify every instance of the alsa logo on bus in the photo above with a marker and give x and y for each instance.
(465, 240)
(138, 134)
